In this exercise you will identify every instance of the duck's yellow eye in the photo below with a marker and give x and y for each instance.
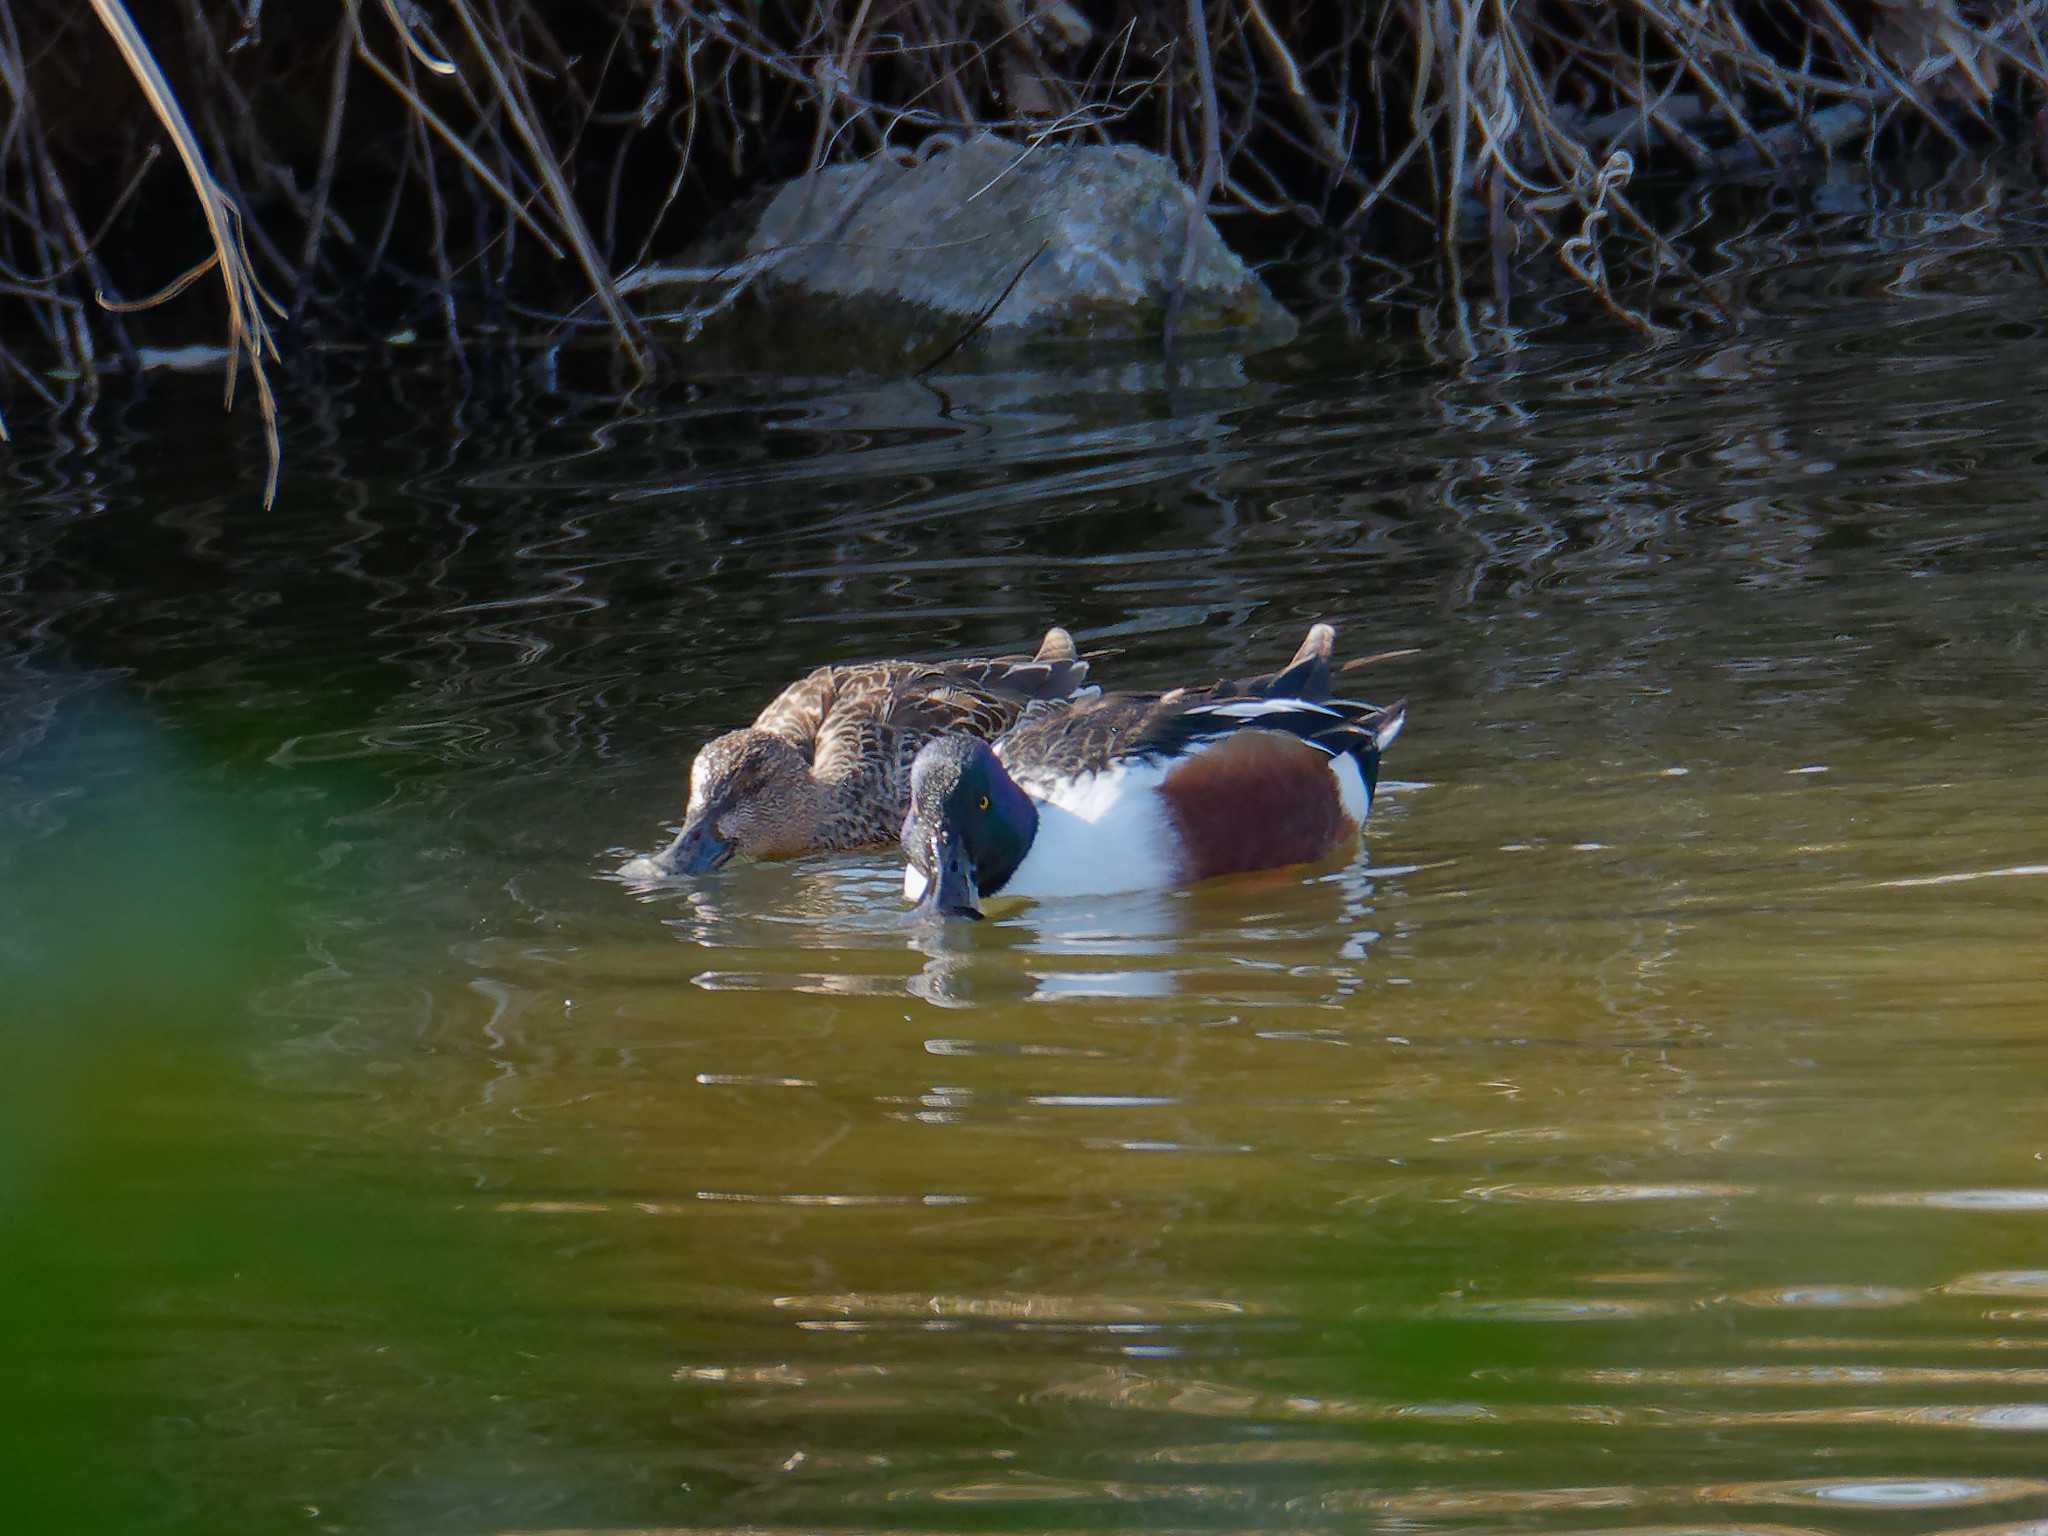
(984, 802)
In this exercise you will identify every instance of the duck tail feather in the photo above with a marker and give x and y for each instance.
(1387, 725)
(1321, 640)
(1367, 730)
(1046, 680)
(1307, 676)
(1057, 645)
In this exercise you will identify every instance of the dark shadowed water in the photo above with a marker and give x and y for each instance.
(1647, 1130)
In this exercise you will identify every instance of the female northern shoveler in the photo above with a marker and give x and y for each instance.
(1136, 791)
(826, 766)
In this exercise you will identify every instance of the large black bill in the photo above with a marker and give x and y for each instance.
(951, 891)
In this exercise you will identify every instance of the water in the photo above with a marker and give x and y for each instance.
(1642, 1133)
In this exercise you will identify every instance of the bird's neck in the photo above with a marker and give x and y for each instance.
(855, 806)
(1020, 820)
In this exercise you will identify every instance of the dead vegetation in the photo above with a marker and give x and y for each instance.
(500, 167)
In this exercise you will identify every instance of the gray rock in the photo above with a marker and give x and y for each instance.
(890, 265)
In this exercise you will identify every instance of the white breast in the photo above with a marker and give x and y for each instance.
(1100, 834)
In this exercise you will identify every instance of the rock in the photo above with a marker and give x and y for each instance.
(891, 265)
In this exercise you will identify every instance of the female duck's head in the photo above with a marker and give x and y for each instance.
(968, 829)
(750, 793)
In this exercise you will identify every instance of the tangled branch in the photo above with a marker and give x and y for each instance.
(550, 160)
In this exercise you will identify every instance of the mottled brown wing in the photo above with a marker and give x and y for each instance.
(977, 698)
(866, 756)
(1023, 679)
(978, 689)
(940, 708)
(798, 714)
(1083, 739)
(867, 741)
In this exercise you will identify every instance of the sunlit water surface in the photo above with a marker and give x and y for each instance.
(1645, 1130)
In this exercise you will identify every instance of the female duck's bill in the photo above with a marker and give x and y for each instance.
(746, 787)
(697, 850)
(1137, 792)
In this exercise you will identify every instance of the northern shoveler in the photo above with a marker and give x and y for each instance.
(826, 766)
(1138, 791)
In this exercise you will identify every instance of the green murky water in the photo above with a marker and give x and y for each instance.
(1645, 1131)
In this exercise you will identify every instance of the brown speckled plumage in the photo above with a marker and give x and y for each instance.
(1095, 732)
(826, 766)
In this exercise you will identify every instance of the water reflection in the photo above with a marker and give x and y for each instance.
(1231, 941)
(1635, 1134)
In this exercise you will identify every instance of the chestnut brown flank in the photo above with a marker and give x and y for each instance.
(1256, 800)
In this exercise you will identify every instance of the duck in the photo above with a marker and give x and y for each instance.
(1141, 791)
(825, 767)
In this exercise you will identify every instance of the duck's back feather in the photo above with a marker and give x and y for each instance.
(1145, 790)
(987, 691)
(1095, 734)
(860, 724)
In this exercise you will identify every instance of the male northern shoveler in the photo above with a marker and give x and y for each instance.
(1138, 791)
(826, 766)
